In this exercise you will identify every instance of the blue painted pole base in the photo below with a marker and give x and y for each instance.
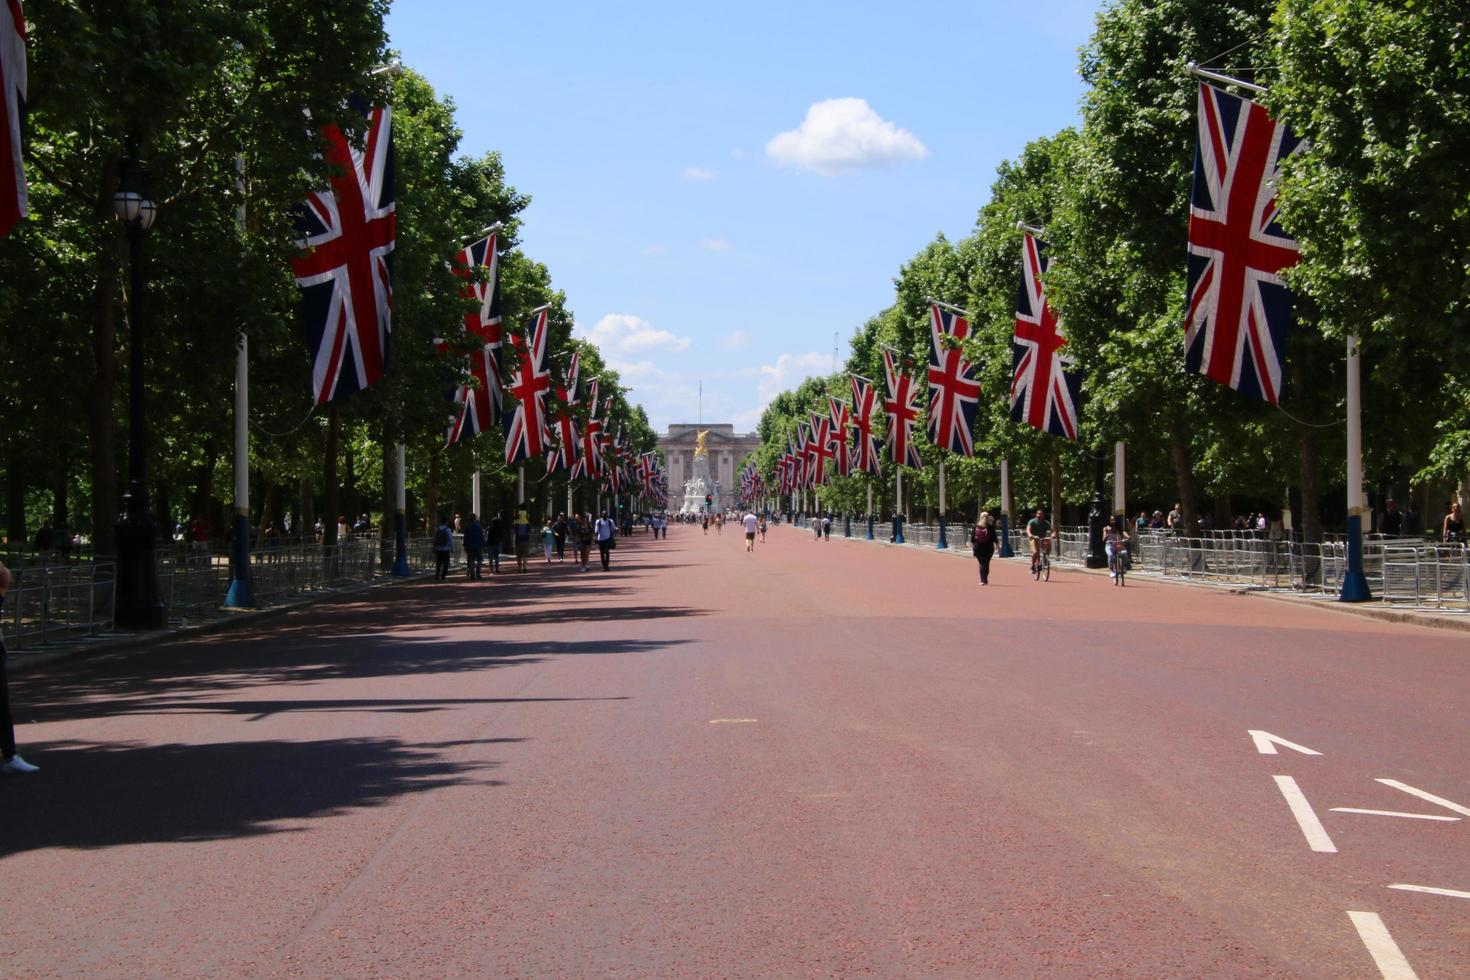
(943, 541)
(847, 525)
(400, 547)
(898, 529)
(240, 595)
(1005, 537)
(870, 527)
(1354, 581)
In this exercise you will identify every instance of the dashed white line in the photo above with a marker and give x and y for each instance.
(1393, 813)
(1385, 952)
(1450, 892)
(1436, 800)
(1306, 817)
(733, 721)
(1266, 743)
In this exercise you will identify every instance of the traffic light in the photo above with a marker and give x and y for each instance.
(708, 499)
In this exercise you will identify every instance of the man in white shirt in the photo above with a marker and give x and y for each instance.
(603, 531)
(750, 521)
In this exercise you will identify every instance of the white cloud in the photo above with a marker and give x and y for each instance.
(839, 135)
(623, 333)
(714, 244)
(789, 371)
(735, 339)
(697, 173)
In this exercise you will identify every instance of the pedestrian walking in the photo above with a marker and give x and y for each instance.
(982, 544)
(548, 540)
(13, 764)
(559, 533)
(751, 522)
(443, 541)
(494, 542)
(606, 534)
(762, 529)
(474, 547)
(521, 531)
(584, 538)
(817, 525)
(719, 523)
(704, 523)
(1453, 530)
(827, 526)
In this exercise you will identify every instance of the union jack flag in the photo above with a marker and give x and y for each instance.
(478, 404)
(807, 444)
(822, 449)
(648, 471)
(525, 430)
(563, 456)
(1238, 306)
(1044, 394)
(864, 401)
(841, 414)
(954, 393)
(13, 205)
(345, 269)
(589, 461)
(902, 408)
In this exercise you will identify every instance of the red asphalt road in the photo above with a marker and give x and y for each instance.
(823, 759)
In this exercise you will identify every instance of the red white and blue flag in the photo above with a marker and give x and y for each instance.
(589, 461)
(13, 204)
(345, 271)
(1044, 394)
(530, 383)
(563, 455)
(901, 405)
(823, 452)
(954, 391)
(866, 447)
(841, 415)
(1239, 307)
(478, 404)
(807, 443)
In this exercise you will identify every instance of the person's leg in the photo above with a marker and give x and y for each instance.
(984, 569)
(7, 723)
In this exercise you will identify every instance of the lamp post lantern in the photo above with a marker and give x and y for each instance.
(138, 602)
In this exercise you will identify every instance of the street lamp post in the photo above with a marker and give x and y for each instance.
(1096, 555)
(138, 602)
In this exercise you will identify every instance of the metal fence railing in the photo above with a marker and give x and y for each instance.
(59, 603)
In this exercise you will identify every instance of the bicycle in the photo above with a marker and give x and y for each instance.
(1041, 565)
(1118, 564)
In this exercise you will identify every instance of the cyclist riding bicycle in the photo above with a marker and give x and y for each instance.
(1116, 540)
(1038, 532)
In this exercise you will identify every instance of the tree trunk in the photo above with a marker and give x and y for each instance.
(431, 494)
(58, 500)
(1224, 512)
(15, 499)
(351, 505)
(390, 476)
(101, 426)
(1056, 488)
(303, 526)
(330, 491)
(1310, 519)
(1183, 471)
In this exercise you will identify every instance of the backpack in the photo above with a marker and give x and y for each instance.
(441, 537)
(981, 535)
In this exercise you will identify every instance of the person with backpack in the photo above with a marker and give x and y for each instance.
(443, 541)
(982, 544)
(474, 547)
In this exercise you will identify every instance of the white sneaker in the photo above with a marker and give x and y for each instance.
(16, 764)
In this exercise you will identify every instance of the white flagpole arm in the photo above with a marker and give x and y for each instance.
(1038, 232)
(951, 307)
(1211, 76)
(483, 232)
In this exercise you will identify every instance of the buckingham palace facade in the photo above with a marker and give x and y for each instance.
(726, 450)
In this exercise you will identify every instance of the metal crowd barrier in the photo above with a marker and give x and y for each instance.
(57, 603)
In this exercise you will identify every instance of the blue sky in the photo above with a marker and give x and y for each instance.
(721, 188)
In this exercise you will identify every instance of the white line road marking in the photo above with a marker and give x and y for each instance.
(1393, 813)
(733, 721)
(1266, 744)
(1436, 800)
(1381, 947)
(1306, 817)
(1452, 893)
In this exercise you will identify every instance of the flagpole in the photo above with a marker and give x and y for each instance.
(898, 504)
(400, 518)
(1005, 516)
(870, 506)
(1120, 481)
(240, 595)
(475, 493)
(1354, 582)
(943, 541)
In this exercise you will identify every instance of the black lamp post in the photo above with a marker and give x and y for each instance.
(1097, 556)
(138, 602)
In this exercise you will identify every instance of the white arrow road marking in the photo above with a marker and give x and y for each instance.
(1266, 744)
(732, 721)
(1381, 947)
(1393, 813)
(1306, 817)
(1452, 893)
(1436, 800)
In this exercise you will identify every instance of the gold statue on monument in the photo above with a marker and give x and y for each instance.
(701, 451)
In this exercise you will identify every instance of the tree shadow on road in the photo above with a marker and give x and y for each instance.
(96, 796)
